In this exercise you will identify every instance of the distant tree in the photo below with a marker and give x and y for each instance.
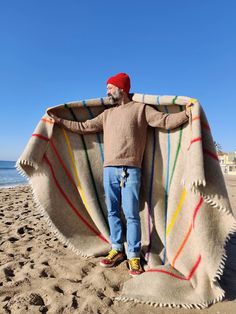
(218, 147)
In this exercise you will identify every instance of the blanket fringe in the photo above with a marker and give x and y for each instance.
(26, 163)
(208, 199)
(224, 257)
(198, 306)
(194, 184)
(198, 183)
(20, 170)
(223, 209)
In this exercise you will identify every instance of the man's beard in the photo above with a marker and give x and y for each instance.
(115, 96)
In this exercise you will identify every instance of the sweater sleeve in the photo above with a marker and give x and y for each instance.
(87, 127)
(163, 120)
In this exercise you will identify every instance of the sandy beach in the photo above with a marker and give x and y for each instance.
(38, 274)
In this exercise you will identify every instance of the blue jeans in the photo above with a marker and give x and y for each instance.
(127, 197)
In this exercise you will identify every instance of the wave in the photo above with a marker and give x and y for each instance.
(7, 165)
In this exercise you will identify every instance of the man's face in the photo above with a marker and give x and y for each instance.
(114, 93)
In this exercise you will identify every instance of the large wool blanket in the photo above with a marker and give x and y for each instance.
(186, 216)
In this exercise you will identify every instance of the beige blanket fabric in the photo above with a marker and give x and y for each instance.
(185, 212)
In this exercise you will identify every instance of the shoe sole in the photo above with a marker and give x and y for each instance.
(135, 275)
(112, 265)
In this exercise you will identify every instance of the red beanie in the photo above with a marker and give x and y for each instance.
(120, 80)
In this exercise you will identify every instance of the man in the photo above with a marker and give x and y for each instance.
(125, 129)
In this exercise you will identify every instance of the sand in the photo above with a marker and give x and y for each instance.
(38, 274)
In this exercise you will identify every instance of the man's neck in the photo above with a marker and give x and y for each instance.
(124, 100)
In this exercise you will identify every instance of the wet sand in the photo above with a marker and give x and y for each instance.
(38, 274)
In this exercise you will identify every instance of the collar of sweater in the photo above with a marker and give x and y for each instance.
(124, 104)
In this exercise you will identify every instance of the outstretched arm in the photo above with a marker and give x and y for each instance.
(87, 127)
(163, 120)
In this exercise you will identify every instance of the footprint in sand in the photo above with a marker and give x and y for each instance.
(36, 299)
(9, 273)
(45, 273)
(100, 294)
(13, 239)
(74, 303)
(58, 289)
(21, 264)
(7, 298)
(21, 230)
(86, 269)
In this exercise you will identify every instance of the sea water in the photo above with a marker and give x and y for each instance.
(9, 175)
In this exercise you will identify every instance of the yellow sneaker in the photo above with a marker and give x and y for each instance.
(135, 267)
(112, 258)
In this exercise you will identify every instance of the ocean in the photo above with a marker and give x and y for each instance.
(9, 175)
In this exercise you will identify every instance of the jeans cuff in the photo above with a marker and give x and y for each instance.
(118, 247)
(133, 254)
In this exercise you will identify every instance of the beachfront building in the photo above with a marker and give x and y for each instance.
(228, 162)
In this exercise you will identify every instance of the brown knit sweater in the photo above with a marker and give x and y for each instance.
(125, 130)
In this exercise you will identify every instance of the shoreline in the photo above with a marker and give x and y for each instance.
(14, 186)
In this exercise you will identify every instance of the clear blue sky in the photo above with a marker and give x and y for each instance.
(55, 51)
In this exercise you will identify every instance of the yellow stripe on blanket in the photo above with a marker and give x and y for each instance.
(176, 213)
(78, 184)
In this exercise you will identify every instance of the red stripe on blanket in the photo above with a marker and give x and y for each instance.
(62, 164)
(206, 151)
(41, 136)
(165, 272)
(214, 156)
(47, 120)
(182, 245)
(203, 124)
(71, 205)
(194, 267)
(58, 156)
(191, 273)
(197, 139)
(197, 209)
(188, 232)
(196, 118)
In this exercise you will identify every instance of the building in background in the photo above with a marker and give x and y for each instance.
(227, 162)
